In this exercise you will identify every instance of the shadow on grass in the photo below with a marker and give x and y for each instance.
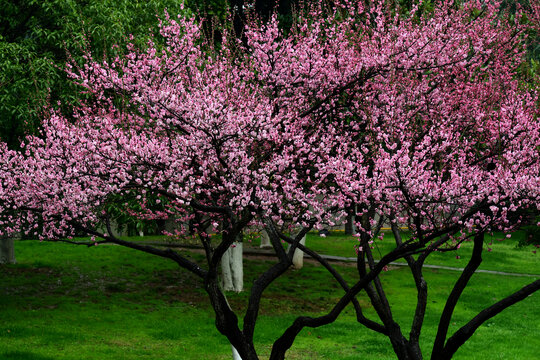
(24, 355)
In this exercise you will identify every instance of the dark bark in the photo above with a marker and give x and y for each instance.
(446, 316)
(465, 332)
(375, 289)
(372, 294)
(285, 341)
(167, 253)
(413, 345)
(226, 319)
(278, 269)
(263, 281)
(242, 339)
(380, 302)
(370, 324)
(349, 225)
(419, 315)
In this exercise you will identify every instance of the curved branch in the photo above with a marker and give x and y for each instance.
(461, 283)
(168, 253)
(282, 344)
(422, 293)
(360, 317)
(465, 332)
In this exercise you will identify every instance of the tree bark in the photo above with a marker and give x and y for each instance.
(466, 331)
(349, 225)
(457, 290)
(7, 250)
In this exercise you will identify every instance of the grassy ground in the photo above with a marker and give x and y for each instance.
(500, 254)
(106, 302)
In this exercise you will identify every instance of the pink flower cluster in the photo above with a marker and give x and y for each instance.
(419, 119)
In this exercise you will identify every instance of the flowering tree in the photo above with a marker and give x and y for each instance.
(417, 120)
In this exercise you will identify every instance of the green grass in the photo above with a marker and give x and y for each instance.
(499, 255)
(107, 302)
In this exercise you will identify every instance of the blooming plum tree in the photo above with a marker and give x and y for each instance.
(416, 120)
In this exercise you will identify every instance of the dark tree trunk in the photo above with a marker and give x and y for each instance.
(451, 302)
(349, 225)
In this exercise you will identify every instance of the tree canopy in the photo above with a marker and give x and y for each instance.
(419, 120)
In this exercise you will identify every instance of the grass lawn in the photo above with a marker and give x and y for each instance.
(500, 254)
(106, 302)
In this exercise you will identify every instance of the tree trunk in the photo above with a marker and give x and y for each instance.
(232, 268)
(265, 240)
(349, 225)
(298, 257)
(117, 230)
(7, 250)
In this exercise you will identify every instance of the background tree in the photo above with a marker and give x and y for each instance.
(35, 37)
(420, 120)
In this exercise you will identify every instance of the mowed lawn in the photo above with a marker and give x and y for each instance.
(62, 301)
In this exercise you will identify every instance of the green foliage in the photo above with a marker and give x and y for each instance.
(36, 38)
(128, 213)
(532, 231)
(38, 35)
(532, 236)
(218, 9)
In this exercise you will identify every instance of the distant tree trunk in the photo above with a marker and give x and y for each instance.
(232, 268)
(7, 250)
(298, 257)
(265, 240)
(349, 225)
(117, 230)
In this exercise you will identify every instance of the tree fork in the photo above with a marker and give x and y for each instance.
(421, 302)
(461, 283)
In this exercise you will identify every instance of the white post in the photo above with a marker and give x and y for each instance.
(232, 268)
(237, 266)
(350, 228)
(298, 256)
(226, 275)
(235, 354)
(265, 240)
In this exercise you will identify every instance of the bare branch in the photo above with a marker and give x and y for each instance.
(168, 253)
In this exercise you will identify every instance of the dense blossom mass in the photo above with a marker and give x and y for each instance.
(418, 120)
(417, 117)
